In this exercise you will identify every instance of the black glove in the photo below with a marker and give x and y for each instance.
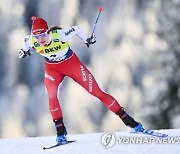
(23, 54)
(91, 40)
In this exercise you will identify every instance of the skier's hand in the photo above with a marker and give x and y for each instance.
(23, 54)
(90, 40)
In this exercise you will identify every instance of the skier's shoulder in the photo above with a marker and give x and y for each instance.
(26, 38)
(62, 31)
(68, 31)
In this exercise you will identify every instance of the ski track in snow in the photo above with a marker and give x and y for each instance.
(90, 144)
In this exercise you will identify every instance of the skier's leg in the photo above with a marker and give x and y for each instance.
(52, 82)
(87, 81)
(109, 101)
(83, 77)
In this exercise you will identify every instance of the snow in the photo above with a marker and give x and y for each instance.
(92, 144)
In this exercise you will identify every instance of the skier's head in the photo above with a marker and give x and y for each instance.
(39, 25)
(40, 30)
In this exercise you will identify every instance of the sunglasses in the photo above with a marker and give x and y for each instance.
(42, 35)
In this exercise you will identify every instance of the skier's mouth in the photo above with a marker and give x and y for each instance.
(43, 43)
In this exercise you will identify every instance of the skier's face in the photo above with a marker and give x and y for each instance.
(42, 38)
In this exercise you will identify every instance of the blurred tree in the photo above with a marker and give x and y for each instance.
(166, 72)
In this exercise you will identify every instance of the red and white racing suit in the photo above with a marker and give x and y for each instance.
(61, 61)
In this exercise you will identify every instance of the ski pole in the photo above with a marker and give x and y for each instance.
(94, 26)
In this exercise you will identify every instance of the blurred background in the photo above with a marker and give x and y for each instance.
(136, 59)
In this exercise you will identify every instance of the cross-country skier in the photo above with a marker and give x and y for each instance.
(61, 61)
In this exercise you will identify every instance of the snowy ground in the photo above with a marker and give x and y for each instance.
(119, 142)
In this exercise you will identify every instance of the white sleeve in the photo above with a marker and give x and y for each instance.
(25, 43)
(70, 32)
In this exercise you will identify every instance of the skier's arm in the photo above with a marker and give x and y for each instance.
(70, 32)
(25, 51)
